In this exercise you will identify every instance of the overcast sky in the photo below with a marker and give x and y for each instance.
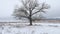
(7, 8)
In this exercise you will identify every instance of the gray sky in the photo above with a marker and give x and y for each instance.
(7, 7)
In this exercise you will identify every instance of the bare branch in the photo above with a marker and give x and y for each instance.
(44, 6)
(25, 4)
(37, 11)
(18, 15)
(23, 16)
(20, 12)
(35, 4)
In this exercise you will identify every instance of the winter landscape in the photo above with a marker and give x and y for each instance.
(29, 17)
(24, 28)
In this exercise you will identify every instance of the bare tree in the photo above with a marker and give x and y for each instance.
(29, 8)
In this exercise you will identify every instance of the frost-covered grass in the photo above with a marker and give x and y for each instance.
(36, 28)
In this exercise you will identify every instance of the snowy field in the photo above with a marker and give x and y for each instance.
(36, 28)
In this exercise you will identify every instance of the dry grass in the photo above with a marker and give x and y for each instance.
(36, 21)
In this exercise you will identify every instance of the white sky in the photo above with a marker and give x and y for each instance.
(7, 8)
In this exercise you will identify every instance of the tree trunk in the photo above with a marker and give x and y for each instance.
(30, 20)
(30, 17)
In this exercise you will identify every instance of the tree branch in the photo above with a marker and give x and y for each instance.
(40, 10)
(22, 16)
(24, 4)
(37, 11)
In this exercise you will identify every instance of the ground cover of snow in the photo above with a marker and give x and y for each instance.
(36, 28)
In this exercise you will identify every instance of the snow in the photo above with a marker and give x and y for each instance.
(36, 28)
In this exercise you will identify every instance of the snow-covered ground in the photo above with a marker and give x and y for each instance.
(37, 28)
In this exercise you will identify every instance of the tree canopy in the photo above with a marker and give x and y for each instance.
(30, 8)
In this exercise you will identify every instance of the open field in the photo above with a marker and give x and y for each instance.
(36, 28)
